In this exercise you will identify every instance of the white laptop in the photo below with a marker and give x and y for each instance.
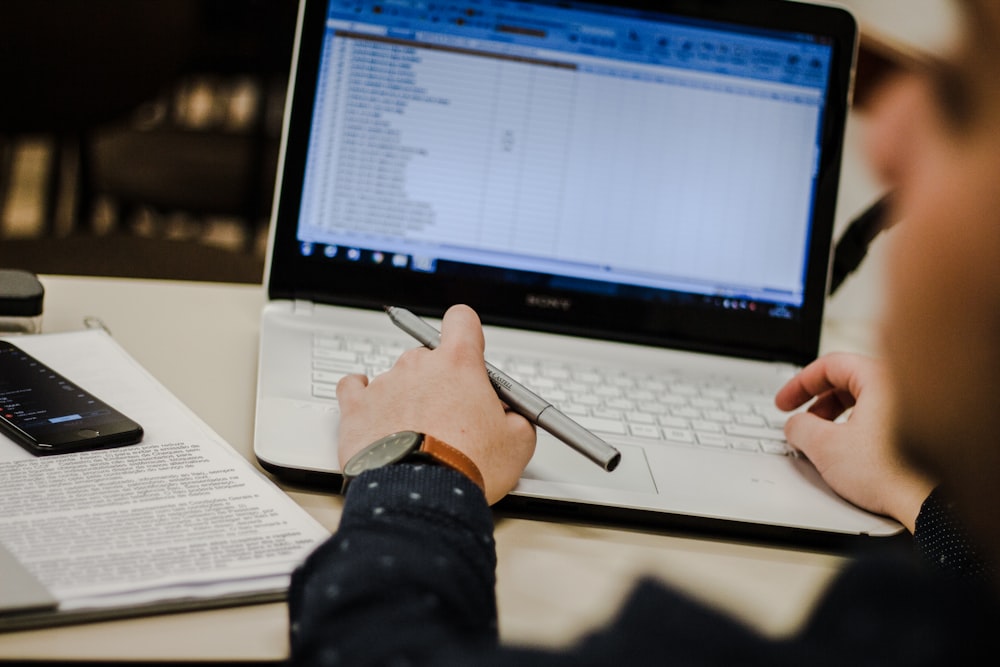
(638, 202)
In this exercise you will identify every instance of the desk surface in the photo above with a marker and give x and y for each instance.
(556, 580)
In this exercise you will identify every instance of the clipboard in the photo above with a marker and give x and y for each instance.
(20, 591)
(181, 521)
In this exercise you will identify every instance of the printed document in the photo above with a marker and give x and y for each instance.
(181, 516)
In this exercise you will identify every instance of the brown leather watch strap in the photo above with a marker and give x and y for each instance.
(443, 452)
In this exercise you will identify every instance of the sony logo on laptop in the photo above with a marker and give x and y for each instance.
(547, 302)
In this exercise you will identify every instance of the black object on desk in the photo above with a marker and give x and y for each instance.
(21, 297)
(853, 245)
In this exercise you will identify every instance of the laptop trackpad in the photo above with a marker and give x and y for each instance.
(555, 461)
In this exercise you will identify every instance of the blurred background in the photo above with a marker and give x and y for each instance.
(140, 137)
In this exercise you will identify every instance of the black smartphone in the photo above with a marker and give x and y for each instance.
(47, 414)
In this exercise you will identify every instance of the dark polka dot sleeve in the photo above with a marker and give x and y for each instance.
(411, 569)
(408, 580)
(942, 541)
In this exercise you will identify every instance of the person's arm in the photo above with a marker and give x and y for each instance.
(943, 542)
(408, 574)
(857, 457)
(411, 581)
(410, 570)
(409, 578)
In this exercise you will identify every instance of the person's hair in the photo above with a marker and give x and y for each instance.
(978, 59)
(981, 24)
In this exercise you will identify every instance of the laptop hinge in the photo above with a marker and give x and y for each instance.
(302, 307)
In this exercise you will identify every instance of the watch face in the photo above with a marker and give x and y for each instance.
(382, 452)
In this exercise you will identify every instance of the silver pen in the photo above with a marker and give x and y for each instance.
(521, 399)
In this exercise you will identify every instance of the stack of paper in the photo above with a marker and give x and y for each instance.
(179, 520)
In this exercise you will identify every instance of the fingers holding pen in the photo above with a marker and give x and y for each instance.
(444, 392)
(462, 335)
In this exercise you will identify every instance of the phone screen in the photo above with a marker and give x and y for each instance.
(49, 414)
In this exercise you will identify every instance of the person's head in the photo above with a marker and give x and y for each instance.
(935, 140)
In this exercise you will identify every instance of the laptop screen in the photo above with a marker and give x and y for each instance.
(650, 162)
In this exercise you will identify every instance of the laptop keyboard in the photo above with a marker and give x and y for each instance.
(669, 408)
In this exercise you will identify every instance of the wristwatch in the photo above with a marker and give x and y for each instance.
(406, 446)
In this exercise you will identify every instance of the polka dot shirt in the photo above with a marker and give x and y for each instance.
(944, 544)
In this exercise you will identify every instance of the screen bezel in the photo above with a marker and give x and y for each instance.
(681, 325)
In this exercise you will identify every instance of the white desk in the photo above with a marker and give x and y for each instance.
(556, 580)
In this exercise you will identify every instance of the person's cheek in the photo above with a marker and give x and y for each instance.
(901, 152)
(890, 127)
